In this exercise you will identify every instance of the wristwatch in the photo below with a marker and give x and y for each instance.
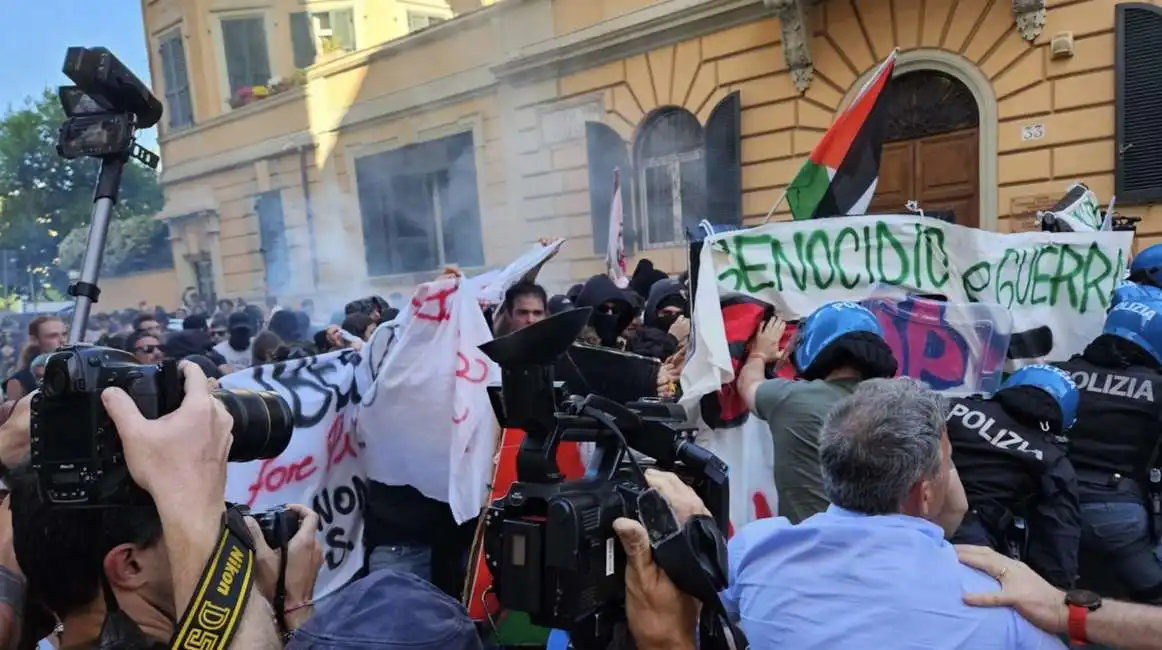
(1080, 602)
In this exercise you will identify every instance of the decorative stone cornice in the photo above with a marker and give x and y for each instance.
(662, 23)
(1030, 15)
(793, 17)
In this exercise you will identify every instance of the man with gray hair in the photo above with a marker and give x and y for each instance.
(874, 569)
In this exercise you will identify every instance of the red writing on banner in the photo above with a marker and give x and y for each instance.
(434, 306)
(275, 474)
(273, 477)
(339, 443)
(474, 370)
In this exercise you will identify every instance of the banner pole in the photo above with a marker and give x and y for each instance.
(782, 197)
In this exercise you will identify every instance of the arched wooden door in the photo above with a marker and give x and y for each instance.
(931, 147)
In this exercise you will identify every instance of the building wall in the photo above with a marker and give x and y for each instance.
(1072, 98)
(525, 76)
(153, 287)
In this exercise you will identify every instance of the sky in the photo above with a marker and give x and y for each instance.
(40, 31)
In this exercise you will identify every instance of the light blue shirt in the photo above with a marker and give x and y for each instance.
(842, 580)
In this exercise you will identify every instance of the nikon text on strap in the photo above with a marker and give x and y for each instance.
(212, 617)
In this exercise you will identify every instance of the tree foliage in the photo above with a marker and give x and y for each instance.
(44, 197)
(134, 243)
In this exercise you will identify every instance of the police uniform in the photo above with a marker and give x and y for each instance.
(1022, 491)
(1112, 447)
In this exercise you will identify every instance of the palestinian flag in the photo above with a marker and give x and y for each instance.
(839, 177)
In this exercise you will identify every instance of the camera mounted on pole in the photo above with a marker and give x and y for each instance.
(104, 111)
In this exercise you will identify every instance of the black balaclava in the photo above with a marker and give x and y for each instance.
(240, 331)
(596, 292)
(664, 293)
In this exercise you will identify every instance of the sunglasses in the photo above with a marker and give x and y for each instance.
(148, 349)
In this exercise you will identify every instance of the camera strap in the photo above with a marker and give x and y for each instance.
(280, 590)
(212, 617)
(694, 558)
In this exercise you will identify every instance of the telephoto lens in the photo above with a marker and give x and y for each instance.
(263, 423)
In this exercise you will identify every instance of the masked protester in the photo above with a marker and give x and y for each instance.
(236, 348)
(1022, 491)
(1115, 442)
(612, 311)
(665, 305)
(839, 345)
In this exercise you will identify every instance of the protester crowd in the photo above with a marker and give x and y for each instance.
(901, 511)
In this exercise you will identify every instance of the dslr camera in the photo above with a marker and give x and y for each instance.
(278, 525)
(549, 542)
(76, 453)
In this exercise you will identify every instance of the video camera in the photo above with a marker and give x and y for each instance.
(76, 453)
(104, 108)
(549, 542)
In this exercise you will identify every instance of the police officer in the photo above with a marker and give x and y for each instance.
(1129, 290)
(1114, 445)
(1021, 489)
(1146, 267)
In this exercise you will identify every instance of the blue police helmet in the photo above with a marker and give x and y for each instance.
(1055, 382)
(1134, 291)
(1147, 266)
(827, 324)
(1139, 322)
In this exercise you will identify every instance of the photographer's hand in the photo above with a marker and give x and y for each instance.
(14, 432)
(682, 497)
(13, 587)
(302, 568)
(180, 459)
(659, 615)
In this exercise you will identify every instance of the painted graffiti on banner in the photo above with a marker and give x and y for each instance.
(1059, 281)
(321, 467)
(924, 258)
(955, 348)
(435, 362)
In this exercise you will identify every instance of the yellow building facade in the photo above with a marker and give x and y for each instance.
(398, 136)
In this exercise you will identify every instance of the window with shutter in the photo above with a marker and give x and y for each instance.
(420, 207)
(607, 152)
(722, 151)
(302, 39)
(1138, 36)
(669, 153)
(178, 102)
(244, 48)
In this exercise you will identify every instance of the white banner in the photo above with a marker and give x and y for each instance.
(428, 422)
(426, 419)
(321, 467)
(1057, 286)
(749, 452)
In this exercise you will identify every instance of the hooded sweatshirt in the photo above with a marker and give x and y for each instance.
(664, 293)
(597, 291)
